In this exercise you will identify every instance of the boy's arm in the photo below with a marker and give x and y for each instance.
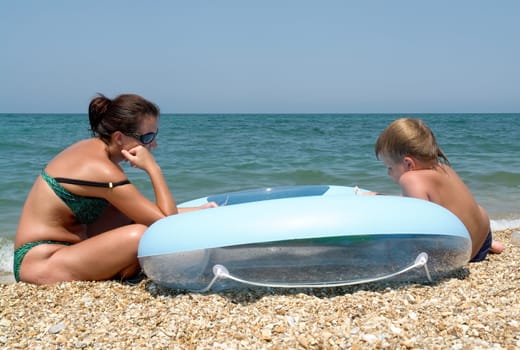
(413, 186)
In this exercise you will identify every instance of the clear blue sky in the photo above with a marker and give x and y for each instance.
(262, 56)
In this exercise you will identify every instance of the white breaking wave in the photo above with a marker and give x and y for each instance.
(504, 224)
(6, 255)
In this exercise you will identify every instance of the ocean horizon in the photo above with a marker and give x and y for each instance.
(203, 154)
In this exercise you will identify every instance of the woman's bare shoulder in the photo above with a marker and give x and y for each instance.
(87, 160)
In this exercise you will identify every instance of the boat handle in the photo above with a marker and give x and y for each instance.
(221, 272)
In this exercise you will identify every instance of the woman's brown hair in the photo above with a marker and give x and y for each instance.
(123, 113)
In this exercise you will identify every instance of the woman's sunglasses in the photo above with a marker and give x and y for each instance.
(146, 138)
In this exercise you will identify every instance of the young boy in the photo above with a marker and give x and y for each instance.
(414, 161)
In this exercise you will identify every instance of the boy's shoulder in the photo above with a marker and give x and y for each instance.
(430, 179)
(420, 174)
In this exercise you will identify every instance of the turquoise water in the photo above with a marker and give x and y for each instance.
(209, 154)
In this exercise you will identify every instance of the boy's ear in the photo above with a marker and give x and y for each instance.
(409, 163)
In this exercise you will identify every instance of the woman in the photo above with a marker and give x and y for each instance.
(83, 219)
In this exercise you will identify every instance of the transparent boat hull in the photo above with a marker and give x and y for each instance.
(319, 262)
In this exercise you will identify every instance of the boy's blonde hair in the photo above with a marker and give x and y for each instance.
(409, 137)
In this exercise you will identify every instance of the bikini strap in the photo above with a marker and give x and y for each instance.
(91, 183)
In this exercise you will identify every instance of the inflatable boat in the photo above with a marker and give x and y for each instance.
(303, 236)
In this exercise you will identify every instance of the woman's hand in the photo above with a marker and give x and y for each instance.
(208, 205)
(200, 207)
(139, 157)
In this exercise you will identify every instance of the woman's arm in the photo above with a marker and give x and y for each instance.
(142, 158)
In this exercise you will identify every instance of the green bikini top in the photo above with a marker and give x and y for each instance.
(85, 209)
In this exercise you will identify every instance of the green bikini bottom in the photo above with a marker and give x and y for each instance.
(22, 250)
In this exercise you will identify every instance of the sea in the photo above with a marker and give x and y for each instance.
(204, 154)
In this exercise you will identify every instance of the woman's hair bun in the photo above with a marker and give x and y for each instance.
(97, 109)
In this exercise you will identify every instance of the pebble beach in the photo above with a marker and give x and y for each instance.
(478, 307)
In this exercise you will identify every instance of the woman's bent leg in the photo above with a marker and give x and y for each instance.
(107, 255)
